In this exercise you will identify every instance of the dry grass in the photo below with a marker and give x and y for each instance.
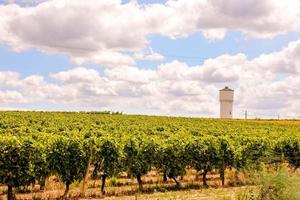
(154, 188)
(202, 194)
(124, 187)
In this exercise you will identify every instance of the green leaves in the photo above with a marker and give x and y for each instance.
(109, 154)
(202, 153)
(16, 162)
(252, 152)
(289, 148)
(40, 163)
(170, 158)
(67, 158)
(139, 155)
(34, 145)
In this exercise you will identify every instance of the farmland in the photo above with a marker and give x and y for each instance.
(60, 154)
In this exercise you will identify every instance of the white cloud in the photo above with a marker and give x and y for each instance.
(151, 56)
(24, 2)
(108, 32)
(70, 30)
(10, 96)
(108, 59)
(114, 35)
(7, 79)
(173, 71)
(77, 75)
(265, 86)
(130, 74)
(214, 18)
(225, 68)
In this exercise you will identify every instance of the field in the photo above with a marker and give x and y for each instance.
(49, 155)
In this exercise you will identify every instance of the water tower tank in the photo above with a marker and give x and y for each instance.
(226, 103)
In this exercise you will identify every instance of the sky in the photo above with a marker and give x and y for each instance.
(154, 57)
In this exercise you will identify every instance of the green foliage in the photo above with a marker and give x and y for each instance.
(225, 152)
(139, 156)
(39, 160)
(202, 153)
(289, 148)
(252, 153)
(279, 186)
(34, 145)
(248, 194)
(67, 159)
(15, 162)
(171, 158)
(109, 155)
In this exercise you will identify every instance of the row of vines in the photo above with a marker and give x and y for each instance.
(35, 146)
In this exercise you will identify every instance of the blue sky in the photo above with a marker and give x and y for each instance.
(192, 50)
(150, 57)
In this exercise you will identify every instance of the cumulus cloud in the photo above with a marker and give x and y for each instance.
(262, 87)
(151, 56)
(24, 2)
(108, 59)
(77, 75)
(225, 68)
(10, 96)
(214, 18)
(77, 29)
(130, 74)
(174, 70)
(109, 32)
(115, 35)
(7, 79)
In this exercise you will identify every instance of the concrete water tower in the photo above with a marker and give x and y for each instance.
(226, 103)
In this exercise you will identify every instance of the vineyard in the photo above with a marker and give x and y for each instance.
(73, 148)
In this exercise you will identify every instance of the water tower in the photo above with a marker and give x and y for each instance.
(226, 103)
